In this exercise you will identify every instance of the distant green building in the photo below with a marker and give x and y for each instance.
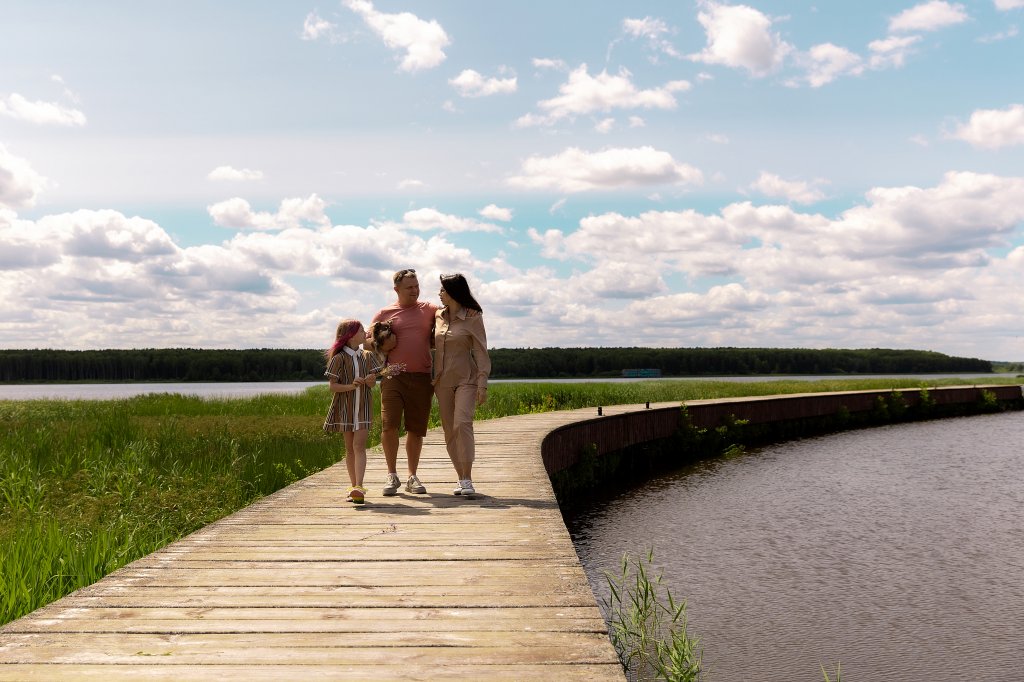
(641, 373)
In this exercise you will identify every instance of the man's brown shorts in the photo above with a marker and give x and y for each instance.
(409, 393)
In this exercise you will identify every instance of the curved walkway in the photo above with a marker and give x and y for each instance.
(302, 585)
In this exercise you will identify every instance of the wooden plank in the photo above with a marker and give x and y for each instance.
(323, 648)
(422, 670)
(540, 614)
(25, 642)
(181, 625)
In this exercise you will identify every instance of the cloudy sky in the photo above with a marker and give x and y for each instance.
(841, 174)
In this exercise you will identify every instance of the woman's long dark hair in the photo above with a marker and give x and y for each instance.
(457, 287)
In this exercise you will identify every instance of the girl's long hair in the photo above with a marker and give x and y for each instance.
(346, 330)
(457, 287)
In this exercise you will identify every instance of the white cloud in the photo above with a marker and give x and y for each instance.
(653, 31)
(115, 281)
(423, 41)
(584, 94)
(797, 191)
(552, 64)
(928, 16)
(575, 170)
(99, 279)
(892, 51)
(495, 212)
(411, 183)
(40, 113)
(604, 126)
(826, 62)
(739, 36)
(316, 26)
(647, 27)
(618, 280)
(68, 92)
(909, 261)
(718, 307)
(20, 185)
(945, 226)
(717, 138)
(636, 122)
(22, 246)
(666, 242)
(432, 219)
(1010, 32)
(236, 213)
(231, 174)
(1004, 5)
(470, 83)
(106, 234)
(994, 128)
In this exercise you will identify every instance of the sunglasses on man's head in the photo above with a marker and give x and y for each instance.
(402, 274)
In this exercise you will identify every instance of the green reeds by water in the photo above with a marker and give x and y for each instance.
(648, 627)
(89, 486)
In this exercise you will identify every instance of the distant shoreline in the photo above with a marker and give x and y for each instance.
(553, 379)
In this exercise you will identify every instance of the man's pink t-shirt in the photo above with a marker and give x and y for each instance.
(411, 325)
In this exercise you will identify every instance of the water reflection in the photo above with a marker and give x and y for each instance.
(898, 551)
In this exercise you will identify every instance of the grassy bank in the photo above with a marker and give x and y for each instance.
(89, 486)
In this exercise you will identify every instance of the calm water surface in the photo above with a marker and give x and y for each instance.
(116, 391)
(898, 551)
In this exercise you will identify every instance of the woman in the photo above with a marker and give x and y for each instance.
(461, 368)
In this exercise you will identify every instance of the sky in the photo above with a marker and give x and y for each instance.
(663, 174)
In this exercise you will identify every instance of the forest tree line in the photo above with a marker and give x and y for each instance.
(186, 364)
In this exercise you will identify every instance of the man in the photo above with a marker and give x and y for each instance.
(410, 392)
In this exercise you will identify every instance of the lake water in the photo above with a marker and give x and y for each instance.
(115, 391)
(898, 551)
(83, 391)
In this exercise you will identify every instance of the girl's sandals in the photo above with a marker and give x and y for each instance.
(356, 495)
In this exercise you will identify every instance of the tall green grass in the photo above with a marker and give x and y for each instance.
(89, 486)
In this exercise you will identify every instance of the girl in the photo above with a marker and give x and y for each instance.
(351, 371)
(461, 369)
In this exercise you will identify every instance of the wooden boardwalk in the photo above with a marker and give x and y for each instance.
(302, 585)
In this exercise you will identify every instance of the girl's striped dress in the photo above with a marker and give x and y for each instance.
(353, 410)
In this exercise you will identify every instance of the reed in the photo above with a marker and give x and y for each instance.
(648, 627)
(89, 486)
(838, 673)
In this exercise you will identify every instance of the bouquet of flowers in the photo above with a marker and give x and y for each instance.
(390, 371)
